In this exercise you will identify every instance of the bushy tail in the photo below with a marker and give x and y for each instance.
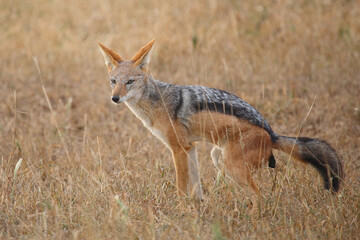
(316, 152)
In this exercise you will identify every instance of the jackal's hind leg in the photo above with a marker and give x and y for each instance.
(215, 156)
(233, 167)
(238, 169)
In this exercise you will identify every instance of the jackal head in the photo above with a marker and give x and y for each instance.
(127, 77)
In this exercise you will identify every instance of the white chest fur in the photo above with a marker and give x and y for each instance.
(139, 113)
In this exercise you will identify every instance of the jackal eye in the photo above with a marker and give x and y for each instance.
(130, 81)
(113, 81)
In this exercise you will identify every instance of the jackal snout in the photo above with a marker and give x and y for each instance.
(115, 99)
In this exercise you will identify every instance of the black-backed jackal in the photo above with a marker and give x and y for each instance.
(180, 116)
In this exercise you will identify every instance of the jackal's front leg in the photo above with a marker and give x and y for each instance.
(187, 176)
(195, 185)
(182, 171)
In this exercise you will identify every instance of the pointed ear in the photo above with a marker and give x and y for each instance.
(112, 59)
(142, 57)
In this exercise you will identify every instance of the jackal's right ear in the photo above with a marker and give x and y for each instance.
(112, 59)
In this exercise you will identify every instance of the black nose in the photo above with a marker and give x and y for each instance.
(115, 99)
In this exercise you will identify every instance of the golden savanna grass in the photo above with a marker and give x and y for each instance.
(90, 170)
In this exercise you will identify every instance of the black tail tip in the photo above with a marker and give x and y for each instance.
(332, 183)
(336, 184)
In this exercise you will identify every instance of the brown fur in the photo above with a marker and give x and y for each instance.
(177, 140)
(111, 53)
(119, 90)
(142, 52)
(245, 146)
(289, 147)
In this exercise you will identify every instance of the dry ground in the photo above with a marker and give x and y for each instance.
(90, 170)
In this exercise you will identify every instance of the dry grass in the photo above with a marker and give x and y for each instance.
(90, 170)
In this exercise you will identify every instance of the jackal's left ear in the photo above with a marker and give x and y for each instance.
(112, 59)
(142, 57)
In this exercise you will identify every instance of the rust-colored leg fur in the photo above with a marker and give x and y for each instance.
(238, 168)
(244, 155)
(185, 161)
(187, 173)
(182, 171)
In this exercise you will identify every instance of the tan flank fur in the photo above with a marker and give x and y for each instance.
(181, 116)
